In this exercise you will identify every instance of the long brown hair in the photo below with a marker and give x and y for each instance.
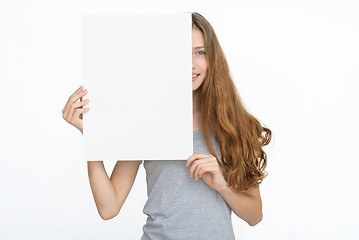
(239, 135)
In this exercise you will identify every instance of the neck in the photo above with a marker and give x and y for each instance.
(196, 112)
(195, 100)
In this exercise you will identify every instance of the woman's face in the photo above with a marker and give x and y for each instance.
(199, 61)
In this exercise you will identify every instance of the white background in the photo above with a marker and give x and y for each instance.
(295, 64)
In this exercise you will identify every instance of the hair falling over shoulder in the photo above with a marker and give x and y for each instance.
(239, 135)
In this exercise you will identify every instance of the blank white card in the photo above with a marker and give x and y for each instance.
(137, 69)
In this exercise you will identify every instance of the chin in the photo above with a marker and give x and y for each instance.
(194, 88)
(197, 83)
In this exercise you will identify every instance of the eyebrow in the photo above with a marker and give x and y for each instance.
(199, 47)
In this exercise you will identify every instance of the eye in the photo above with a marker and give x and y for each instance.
(202, 52)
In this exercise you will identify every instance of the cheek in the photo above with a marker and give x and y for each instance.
(205, 70)
(203, 65)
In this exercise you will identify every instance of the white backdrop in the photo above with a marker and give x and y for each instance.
(295, 64)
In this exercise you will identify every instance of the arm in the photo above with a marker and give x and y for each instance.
(247, 206)
(110, 193)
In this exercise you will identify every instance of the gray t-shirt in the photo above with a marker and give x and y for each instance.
(178, 207)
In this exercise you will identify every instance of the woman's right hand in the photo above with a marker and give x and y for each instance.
(73, 111)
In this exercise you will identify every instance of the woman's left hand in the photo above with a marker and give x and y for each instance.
(206, 166)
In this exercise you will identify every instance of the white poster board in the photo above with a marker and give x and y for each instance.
(137, 69)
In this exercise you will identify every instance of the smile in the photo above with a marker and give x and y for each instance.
(194, 77)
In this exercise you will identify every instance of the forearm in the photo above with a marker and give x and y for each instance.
(103, 190)
(247, 207)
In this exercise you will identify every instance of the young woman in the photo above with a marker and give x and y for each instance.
(193, 198)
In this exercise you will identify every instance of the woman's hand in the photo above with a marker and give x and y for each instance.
(72, 111)
(206, 167)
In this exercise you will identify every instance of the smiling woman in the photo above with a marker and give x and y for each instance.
(228, 164)
(227, 167)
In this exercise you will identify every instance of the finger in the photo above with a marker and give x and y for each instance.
(199, 167)
(72, 100)
(210, 158)
(78, 112)
(196, 156)
(77, 91)
(80, 115)
(211, 168)
(195, 164)
(72, 109)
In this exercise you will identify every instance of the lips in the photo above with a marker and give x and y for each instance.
(194, 76)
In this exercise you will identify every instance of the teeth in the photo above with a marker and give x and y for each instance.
(195, 75)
